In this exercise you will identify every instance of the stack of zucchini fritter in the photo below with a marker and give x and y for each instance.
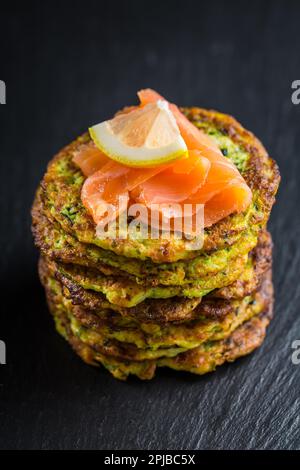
(133, 305)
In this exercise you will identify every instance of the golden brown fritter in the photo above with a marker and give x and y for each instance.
(62, 247)
(63, 182)
(200, 360)
(175, 309)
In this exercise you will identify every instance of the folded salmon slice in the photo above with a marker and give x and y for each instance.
(168, 187)
(236, 197)
(90, 159)
(193, 137)
(108, 189)
(103, 189)
(205, 177)
(111, 181)
(225, 190)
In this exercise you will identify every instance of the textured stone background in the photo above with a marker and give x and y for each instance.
(69, 64)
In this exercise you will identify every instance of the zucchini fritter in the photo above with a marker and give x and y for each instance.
(62, 183)
(133, 305)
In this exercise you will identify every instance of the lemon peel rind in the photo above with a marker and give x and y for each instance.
(132, 158)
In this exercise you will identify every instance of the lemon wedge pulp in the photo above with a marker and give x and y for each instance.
(145, 137)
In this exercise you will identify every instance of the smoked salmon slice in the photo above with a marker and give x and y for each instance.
(233, 198)
(168, 187)
(105, 189)
(206, 177)
(225, 190)
(156, 185)
(193, 137)
(89, 158)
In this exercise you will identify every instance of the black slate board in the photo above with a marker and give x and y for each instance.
(69, 64)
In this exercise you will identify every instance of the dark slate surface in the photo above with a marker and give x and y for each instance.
(70, 64)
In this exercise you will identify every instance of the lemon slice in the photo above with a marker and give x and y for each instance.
(144, 137)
